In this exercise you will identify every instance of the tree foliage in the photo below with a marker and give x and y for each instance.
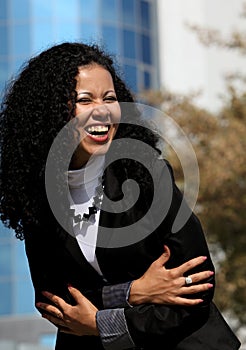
(219, 141)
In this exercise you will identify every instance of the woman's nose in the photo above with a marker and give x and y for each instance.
(101, 113)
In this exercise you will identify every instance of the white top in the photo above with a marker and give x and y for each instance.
(82, 184)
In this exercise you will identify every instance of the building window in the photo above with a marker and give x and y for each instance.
(131, 77)
(146, 49)
(23, 300)
(145, 14)
(6, 298)
(4, 48)
(3, 9)
(129, 44)
(109, 11)
(4, 74)
(5, 260)
(128, 12)
(21, 39)
(110, 38)
(89, 32)
(20, 12)
(147, 80)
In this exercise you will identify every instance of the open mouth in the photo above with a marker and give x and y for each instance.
(98, 132)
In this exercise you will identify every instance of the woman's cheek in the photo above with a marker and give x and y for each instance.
(115, 112)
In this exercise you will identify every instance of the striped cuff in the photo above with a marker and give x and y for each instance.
(116, 295)
(113, 329)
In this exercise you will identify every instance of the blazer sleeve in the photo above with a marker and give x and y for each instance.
(41, 269)
(151, 324)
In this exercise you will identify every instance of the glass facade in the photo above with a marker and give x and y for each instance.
(15, 284)
(126, 28)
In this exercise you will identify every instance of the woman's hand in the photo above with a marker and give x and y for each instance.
(159, 285)
(77, 320)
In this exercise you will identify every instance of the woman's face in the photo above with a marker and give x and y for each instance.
(98, 112)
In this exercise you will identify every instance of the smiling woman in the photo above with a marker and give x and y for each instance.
(157, 288)
(98, 110)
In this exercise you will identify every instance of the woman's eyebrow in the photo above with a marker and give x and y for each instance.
(90, 94)
(85, 92)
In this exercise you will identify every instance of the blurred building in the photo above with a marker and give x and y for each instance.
(128, 30)
(186, 65)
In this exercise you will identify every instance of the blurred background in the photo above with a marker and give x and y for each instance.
(184, 57)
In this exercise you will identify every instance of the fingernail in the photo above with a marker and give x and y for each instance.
(211, 273)
(210, 285)
(45, 293)
(205, 257)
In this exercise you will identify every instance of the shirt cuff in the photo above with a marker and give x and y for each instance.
(116, 295)
(113, 329)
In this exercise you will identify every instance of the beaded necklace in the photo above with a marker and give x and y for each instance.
(94, 208)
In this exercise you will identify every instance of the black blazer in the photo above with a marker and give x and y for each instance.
(56, 260)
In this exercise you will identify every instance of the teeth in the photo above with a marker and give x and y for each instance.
(97, 128)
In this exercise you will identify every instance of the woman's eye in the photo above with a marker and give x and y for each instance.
(110, 98)
(87, 100)
(83, 100)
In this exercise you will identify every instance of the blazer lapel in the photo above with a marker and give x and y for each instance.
(71, 245)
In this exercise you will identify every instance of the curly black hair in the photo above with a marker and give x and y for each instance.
(35, 108)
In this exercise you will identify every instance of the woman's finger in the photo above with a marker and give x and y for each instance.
(50, 309)
(200, 276)
(195, 288)
(186, 301)
(65, 330)
(188, 265)
(54, 320)
(56, 309)
(76, 294)
(161, 261)
(59, 302)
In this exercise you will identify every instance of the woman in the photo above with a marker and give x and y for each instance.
(87, 253)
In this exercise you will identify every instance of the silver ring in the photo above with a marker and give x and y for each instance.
(188, 280)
